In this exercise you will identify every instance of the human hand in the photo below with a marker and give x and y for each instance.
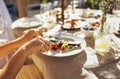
(38, 44)
(30, 34)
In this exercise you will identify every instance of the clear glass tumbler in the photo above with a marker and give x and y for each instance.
(102, 44)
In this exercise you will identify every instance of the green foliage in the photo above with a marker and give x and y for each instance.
(107, 6)
(44, 1)
(93, 4)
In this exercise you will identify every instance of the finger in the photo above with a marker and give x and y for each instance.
(34, 33)
(42, 44)
(46, 43)
(45, 40)
(45, 46)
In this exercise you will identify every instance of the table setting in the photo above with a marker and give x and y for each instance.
(85, 44)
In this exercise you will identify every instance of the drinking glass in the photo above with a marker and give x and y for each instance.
(44, 7)
(48, 18)
(102, 44)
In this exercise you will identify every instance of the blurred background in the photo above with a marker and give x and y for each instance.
(22, 8)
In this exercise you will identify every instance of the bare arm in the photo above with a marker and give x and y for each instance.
(17, 60)
(13, 66)
(10, 46)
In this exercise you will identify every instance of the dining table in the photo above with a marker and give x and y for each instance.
(85, 63)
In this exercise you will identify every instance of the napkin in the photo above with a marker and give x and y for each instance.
(116, 40)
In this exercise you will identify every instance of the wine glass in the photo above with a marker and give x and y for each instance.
(48, 18)
(44, 7)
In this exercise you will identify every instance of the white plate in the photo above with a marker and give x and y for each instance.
(27, 22)
(68, 26)
(78, 25)
(71, 38)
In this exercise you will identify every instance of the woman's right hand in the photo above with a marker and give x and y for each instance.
(30, 34)
(36, 45)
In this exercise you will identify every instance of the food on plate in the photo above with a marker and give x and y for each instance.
(71, 24)
(91, 26)
(95, 24)
(64, 45)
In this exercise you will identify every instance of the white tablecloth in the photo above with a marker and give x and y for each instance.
(71, 67)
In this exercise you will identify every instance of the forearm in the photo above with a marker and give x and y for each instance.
(14, 65)
(10, 46)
